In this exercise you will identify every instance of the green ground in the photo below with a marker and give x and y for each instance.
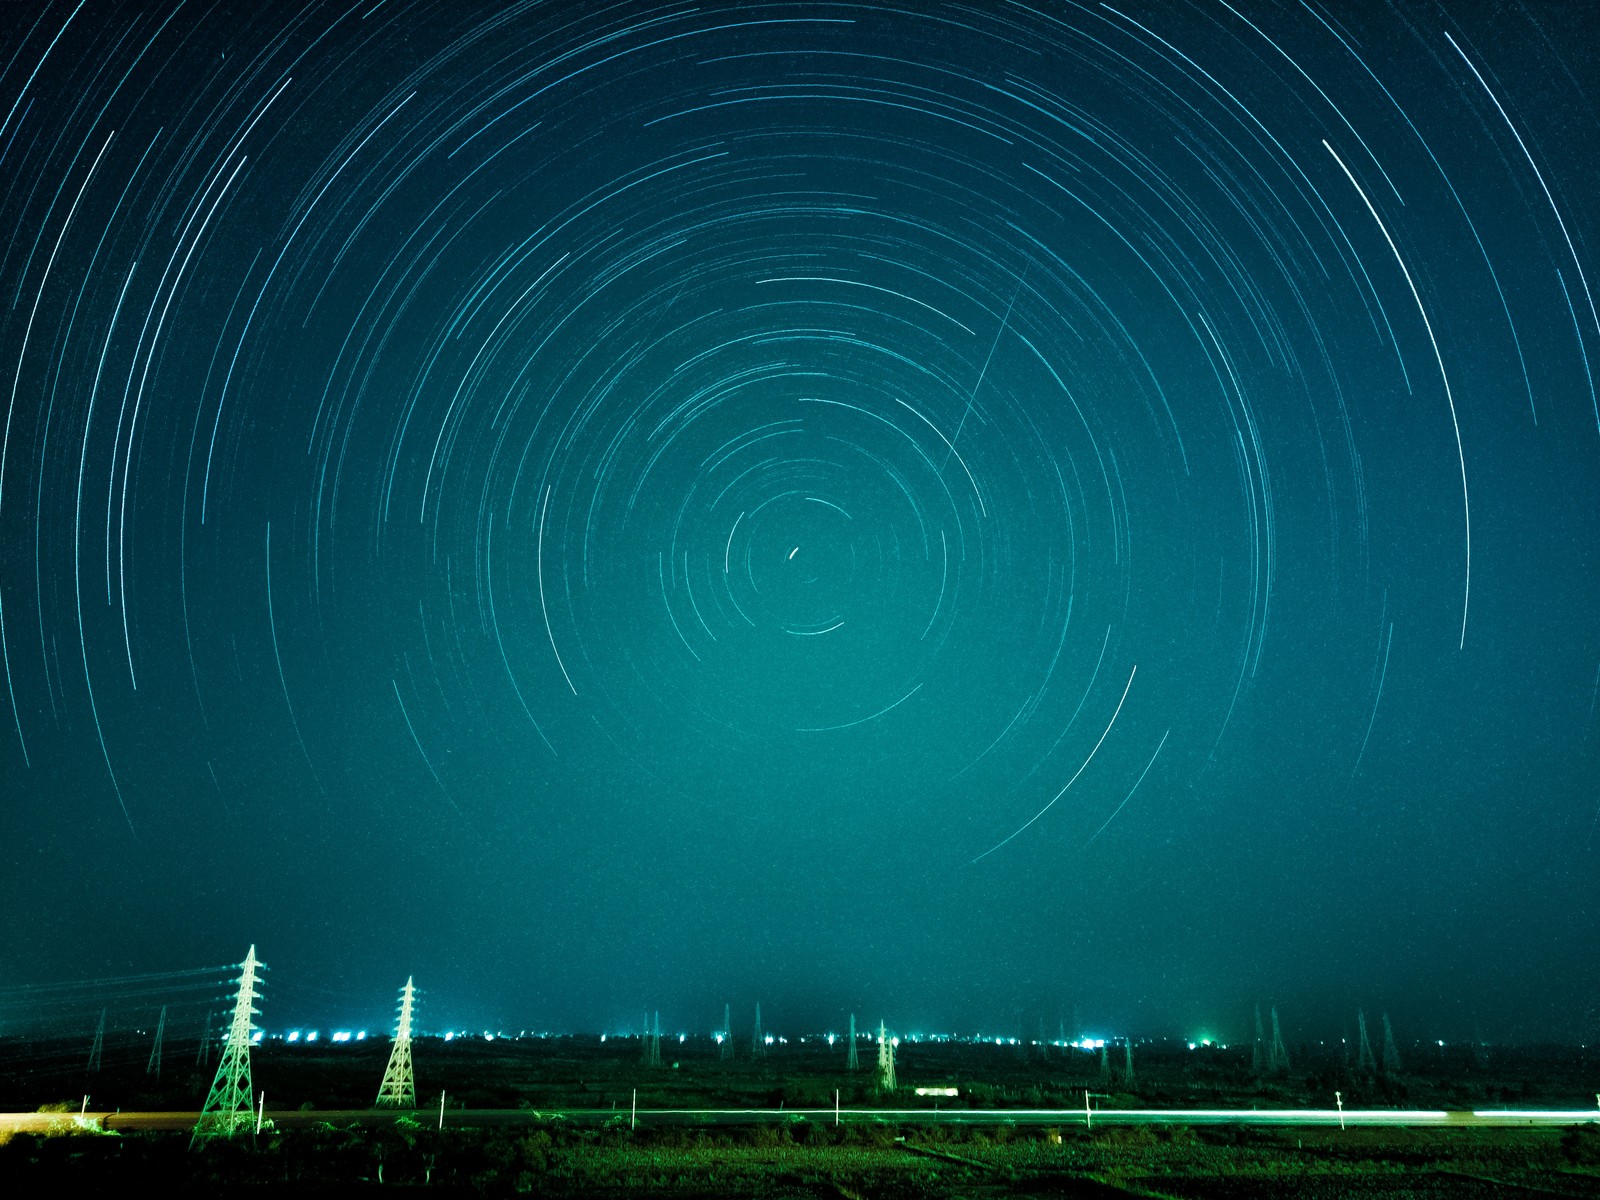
(804, 1160)
(796, 1158)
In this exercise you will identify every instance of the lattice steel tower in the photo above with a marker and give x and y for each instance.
(852, 1060)
(885, 1060)
(1391, 1052)
(228, 1107)
(1364, 1059)
(1280, 1052)
(399, 1086)
(99, 1043)
(153, 1067)
(758, 1042)
(727, 1031)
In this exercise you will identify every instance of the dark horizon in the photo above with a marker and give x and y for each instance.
(959, 515)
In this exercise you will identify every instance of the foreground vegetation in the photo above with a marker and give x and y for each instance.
(795, 1159)
(806, 1159)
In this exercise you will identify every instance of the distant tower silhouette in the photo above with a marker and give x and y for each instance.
(727, 1032)
(1364, 1059)
(1280, 1052)
(1258, 1049)
(1105, 1064)
(852, 1060)
(153, 1067)
(758, 1045)
(885, 1060)
(228, 1107)
(202, 1052)
(99, 1043)
(655, 1041)
(399, 1086)
(1391, 1052)
(1127, 1060)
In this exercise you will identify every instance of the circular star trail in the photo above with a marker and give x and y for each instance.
(690, 470)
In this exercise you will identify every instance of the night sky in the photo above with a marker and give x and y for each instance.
(965, 513)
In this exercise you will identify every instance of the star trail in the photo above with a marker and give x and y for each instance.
(980, 509)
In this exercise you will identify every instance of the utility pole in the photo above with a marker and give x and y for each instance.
(230, 1104)
(153, 1067)
(399, 1086)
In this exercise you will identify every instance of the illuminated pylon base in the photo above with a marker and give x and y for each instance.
(230, 1105)
(399, 1087)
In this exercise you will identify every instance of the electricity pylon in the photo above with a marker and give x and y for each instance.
(229, 1105)
(1364, 1059)
(99, 1042)
(153, 1067)
(655, 1041)
(1391, 1052)
(399, 1086)
(202, 1053)
(885, 1060)
(1258, 1048)
(852, 1060)
(758, 1039)
(1127, 1061)
(1280, 1052)
(727, 1032)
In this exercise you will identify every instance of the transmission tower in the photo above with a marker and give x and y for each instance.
(153, 1067)
(852, 1060)
(1258, 1048)
(399, 1086)
(202, 1053)
(1280, 1052)
(1391, 1052)
(1127, 1061)
(99, 1042)
(758, 1039)
(1364, 1059)
(885, 1060)
(1105, 1064)
(655, 1041)
(228, 1106)
(727, 1032)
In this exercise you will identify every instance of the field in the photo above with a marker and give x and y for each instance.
(304, 1148)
